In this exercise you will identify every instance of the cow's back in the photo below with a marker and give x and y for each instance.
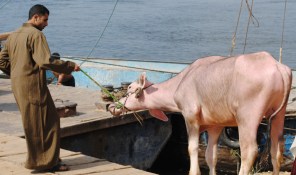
(220, 89)
(261, 80)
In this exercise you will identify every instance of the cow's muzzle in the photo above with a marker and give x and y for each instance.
(112, 108)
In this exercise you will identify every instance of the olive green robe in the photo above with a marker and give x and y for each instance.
(29, 57)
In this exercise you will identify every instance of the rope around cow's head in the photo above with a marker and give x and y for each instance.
(118, 105)
(138, 92)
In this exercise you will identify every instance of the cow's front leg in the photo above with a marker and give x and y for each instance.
(211, 152)
(193, 141)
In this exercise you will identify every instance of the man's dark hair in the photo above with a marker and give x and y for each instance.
(56, 55)
(39, 10)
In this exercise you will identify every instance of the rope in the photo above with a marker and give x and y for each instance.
(99, 39)
(133, 67)
(285, 128)
(234, 35)
(252, 15)
(251, 18)
(102, 87)
(283, 28)
(247, 30)
(118, 103)
(120, 59)
(5, 4)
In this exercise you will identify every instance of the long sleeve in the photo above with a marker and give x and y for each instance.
(4, 61)
(41, 55)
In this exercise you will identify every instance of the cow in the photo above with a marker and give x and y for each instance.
(214, 92)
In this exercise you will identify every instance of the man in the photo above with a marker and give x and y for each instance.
(293, 150)
(26, 56)
(63, 79)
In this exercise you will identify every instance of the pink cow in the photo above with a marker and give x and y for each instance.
(215, 92)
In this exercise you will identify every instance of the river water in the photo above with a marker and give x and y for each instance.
(167, 30)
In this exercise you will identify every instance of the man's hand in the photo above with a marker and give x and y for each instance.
(76, 68)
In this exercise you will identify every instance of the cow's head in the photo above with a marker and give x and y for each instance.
(135, 100)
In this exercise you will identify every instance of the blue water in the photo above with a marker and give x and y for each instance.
(167, 30)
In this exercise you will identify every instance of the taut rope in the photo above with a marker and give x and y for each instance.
(251, 17)
(233, 41)
(283, 28)
(5, 4)
(99, 39)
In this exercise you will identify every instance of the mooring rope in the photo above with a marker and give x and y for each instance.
(132, 67)
(5, 4)
(283, 28)
(247, 29)
(121, 59)
(285, 128)
(99, 39)
(233, 41)
(251, 18)
(252, 15)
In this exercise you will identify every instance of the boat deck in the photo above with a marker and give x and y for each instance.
(88, 117)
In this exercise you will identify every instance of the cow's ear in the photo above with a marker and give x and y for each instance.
(142, 79)
(158, 114)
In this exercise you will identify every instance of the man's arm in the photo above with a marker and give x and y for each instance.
(4, 36)
(60, 79)
(41, 55)
(4, 61)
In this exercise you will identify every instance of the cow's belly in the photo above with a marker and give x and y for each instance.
(221, 117)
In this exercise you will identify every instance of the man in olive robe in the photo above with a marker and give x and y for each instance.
(26, 56)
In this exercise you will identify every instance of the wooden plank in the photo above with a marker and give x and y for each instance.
(66, 153)
(5, 138)
(79, 159)
(13, 156)
(10, 168)
(16, 159)
(126, 171)
(12, 146)
(95, 167)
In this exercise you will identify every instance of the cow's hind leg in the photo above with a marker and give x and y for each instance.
(211, 152)
(248, 145)
(193, 141)
(277, 141)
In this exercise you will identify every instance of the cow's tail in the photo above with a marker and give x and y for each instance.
(287, 82)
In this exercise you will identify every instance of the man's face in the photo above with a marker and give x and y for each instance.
(41, 21)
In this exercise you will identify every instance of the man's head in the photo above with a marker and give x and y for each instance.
(56, 55)
(38, 16)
